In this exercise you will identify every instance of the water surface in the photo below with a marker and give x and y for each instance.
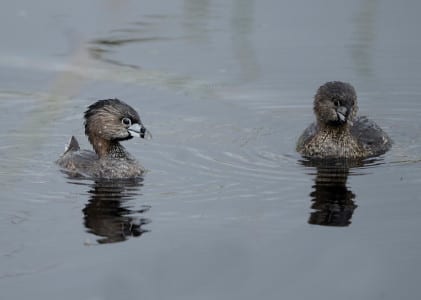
(227, 210)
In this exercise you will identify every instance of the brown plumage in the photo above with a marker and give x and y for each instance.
(338, 132)
(107, 123)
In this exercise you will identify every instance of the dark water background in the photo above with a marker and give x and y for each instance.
(227, 209)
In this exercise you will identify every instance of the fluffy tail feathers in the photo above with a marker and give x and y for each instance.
(73, 145)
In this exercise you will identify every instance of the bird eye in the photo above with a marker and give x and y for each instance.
(126, 121)
(336, 102)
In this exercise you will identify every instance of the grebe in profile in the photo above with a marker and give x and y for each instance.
(107, 123)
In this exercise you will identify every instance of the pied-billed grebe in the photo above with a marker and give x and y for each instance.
(338, 132)
(107, 123)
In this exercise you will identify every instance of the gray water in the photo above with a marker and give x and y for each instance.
(227, 209)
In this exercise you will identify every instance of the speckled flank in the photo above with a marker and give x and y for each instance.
(331, 143)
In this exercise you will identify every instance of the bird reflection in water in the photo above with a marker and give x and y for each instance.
(109, 213)
(333, 203)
